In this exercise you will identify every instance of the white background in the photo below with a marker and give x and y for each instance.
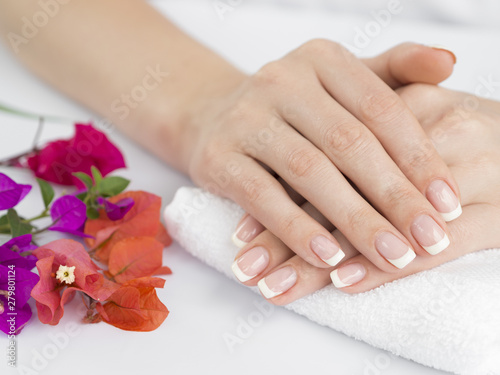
(204, 305)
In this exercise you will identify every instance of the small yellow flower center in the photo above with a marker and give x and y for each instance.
(66, 274)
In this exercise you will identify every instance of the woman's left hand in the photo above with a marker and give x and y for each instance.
(468, 141)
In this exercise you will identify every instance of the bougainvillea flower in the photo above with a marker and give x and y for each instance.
(16, 268)
(69, 214)
(11, 193)
(116, 211)
(50, 294)
(135, 306)
(14, 326)
(136, 257)
(24, 283)
(143, 220)
(10, 252)
(89, 147)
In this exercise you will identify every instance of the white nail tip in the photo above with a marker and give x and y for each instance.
(336, 280)
(449, 216)
(404, 260)
(237, 241)
(264, 289)
(239, 274)
(334, 260)
(440, 246)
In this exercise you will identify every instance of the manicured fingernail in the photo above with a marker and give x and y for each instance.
(277, 282)
(348, 275)
(247, 230)
(327, 250)
(250, 264)
(394, 250)
(444, 200)
(429, 234)
(443, 48)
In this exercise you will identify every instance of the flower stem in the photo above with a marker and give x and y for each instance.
(43, 215)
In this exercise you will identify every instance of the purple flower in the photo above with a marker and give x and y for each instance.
(11, 193)
(10, 253)
(22, 317)
(118, 210)
(15, 276)
(69, 215)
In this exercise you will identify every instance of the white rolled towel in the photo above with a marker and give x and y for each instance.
(447, 318)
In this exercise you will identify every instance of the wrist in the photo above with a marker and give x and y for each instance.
(176, 122)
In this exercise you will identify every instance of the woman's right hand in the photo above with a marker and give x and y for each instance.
(466, 132)
(318, 118)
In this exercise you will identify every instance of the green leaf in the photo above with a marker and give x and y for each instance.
(17, 227)
(111, 186)
(85, 178)
(47, 192)
(82, 196)
(92, 213)
(4, 225)
(96, 174)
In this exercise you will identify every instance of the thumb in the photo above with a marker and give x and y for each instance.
(412, 63)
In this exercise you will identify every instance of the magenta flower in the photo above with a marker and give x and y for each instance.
(10, 252)
(11, 193)
(69, 215)
(116, 211)
(89, 147)
(15, 277)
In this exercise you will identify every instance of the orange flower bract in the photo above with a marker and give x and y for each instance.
(143, 220)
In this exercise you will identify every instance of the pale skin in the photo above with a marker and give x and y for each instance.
(469, 143)
(315, 118)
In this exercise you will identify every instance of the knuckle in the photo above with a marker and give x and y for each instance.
(289, 223)
(420, 157)
(358, 217)
(253, 189)
(270, 74)
(397, 193)
(321, 47)
(303, 162)
(345, 140)
(378, 106)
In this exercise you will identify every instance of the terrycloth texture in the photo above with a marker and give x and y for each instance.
(447, 318)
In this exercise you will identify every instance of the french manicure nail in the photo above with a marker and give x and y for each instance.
(429, 234)
(250, 264)
(327, 250)
(394, 250)
(277, 282)
(348, 275)
(444, 200)
(246, 231)
(443, 48)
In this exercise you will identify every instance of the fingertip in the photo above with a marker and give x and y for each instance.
(420, 63)
(450, 53)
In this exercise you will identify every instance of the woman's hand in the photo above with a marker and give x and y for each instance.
(469, 143)
(320, 118)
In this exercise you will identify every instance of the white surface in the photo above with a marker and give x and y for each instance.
(446, 318)
(205, 307)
